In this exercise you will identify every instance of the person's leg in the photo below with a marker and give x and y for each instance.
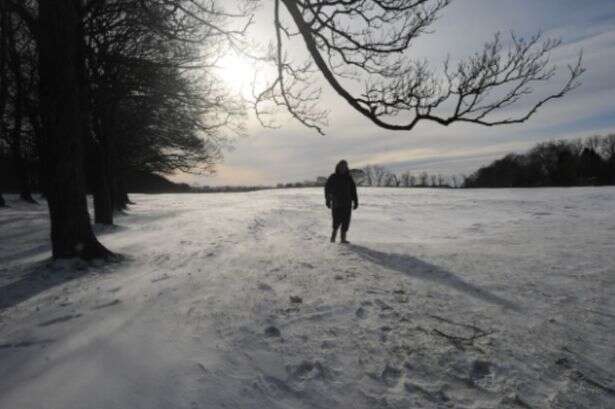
(336, 223)
(345, 223)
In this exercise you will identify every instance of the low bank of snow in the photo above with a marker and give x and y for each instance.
(460, 299)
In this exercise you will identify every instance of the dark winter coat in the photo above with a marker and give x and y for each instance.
(340, 190)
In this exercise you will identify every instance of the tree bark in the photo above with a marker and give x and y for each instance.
(62, 150)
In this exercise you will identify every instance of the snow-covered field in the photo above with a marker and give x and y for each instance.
(445, 299)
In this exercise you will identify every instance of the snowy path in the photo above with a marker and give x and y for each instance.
(461, 299)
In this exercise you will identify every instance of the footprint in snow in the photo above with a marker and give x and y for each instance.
(480, 370)
(437, 396)
(310, 370)
(328, 344)
(306, 265)
(272, 332)
(383, 306)
(107, 304)
(164, 277)
(58, 320)
(202, 368)
(264, 287)
(541, 214)
(25, 344)
(391, 376)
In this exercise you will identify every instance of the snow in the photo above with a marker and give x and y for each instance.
(445, 299)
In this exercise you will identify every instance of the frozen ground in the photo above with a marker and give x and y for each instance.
(445, 299)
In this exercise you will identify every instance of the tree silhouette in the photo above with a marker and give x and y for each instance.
(558, 163)
(69, 38)
(368, 40)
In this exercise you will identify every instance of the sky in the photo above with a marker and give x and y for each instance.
(294, 153)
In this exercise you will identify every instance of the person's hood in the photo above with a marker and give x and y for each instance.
(338, 169)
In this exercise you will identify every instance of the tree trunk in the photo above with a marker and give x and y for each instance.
(4, 49)
(120, 196)
(62, 150)
(19, 163)
(103, 208)
(35, 122)
(3, 75)
(106, 165)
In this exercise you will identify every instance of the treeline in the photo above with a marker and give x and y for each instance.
(380, 176)
(93, 92)
(581, 162)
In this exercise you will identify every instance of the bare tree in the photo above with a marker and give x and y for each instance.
(607, 147)
(441, 181)
(367, 40)
(455, 181)
(434, 180)
(593, 142)
(380, 175)
(368, 179)
(462, 180)
(405, 179)
(423, 179)
(392, 180)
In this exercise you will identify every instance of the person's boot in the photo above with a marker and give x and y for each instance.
(333, 235)
(344, 237)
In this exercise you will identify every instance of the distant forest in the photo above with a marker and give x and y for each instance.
(581, 162)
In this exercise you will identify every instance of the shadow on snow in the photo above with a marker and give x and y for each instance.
(413, 267)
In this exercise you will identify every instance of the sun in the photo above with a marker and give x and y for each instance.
(237, 71)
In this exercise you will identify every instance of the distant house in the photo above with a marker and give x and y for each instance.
(321, 181)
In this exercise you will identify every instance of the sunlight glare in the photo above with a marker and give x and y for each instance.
(237, 72)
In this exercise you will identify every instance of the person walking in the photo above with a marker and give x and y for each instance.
(341, 198)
